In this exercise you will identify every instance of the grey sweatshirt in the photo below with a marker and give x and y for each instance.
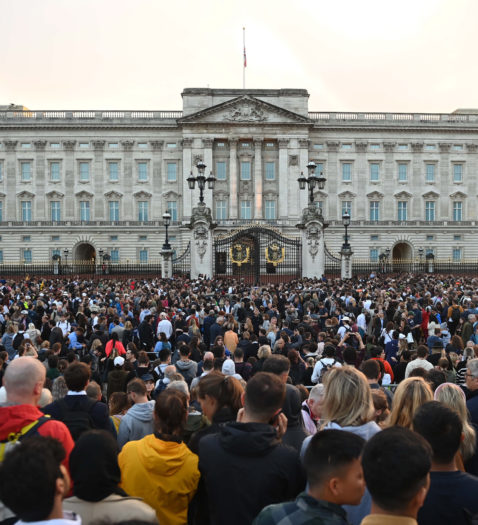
(136, 423)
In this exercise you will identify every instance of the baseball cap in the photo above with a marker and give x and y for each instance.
(119, 361)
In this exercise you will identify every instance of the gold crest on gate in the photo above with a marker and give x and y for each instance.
(239, 254)
(274, 253)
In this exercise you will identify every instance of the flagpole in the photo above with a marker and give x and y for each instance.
(244, 63)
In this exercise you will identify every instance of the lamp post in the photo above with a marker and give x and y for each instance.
(167, 222)
(101, 253)
(346, 223)
(312, 181)
(66, 252)
(201, 181)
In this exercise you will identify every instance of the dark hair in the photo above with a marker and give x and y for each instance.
(329, 350)
(53, 361)
(77, 376)
(137, 386)
(418, 372)
(407, 455)
(28, 477)
(293, 357)
(422, 351)
(349, 355)
(171, 411)
(265, 394)
(371, 369)
(239, 352)
(435, 378)
(276, 364)
(329, 452)
(118, 401)
(226, 390)
(164, 354)
(218, 351)
(441, 427)
(184, 350)
(376, 351)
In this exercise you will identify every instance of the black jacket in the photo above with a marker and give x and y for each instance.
(245, 468)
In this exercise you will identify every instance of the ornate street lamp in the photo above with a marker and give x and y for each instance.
(167, 222)
(312, 181)
(346, 223)
(66, 252)
(201, 180)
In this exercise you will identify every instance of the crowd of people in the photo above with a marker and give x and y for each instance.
(217, 402)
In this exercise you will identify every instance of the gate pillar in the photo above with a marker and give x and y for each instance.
(201, 226)
(312, 227)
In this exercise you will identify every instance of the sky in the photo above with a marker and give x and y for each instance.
(367, 55)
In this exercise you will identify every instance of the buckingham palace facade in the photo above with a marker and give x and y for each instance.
(87, 181)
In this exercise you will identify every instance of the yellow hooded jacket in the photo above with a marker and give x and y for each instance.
(163, 473)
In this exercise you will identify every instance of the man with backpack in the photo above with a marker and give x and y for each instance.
(19, 416)
(76, 410)
(325, 364)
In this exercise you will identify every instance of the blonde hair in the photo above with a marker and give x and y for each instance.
(348, 398)
(264, 352)
(410, 395)
(453, 397)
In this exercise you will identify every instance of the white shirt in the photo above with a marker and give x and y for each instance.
(417, 363)
(320, 364)
(362, 322)
(166, 327)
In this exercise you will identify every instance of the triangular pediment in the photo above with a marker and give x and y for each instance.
(55, 195)
(403, 195)
(431, 195)
(458, 195)
(142, 195)
(375, 195)
(245, 109)
(347, 195)
(113, 195)
(84, 194)
(25, 195)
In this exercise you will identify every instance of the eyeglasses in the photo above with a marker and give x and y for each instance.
(470, 375)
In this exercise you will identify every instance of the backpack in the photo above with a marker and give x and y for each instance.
(14, 439)
(455, 314)
(77, 420)
(325, 369)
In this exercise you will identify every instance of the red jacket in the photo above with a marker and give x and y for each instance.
(118, 346)
(13, 418)
(386, 365)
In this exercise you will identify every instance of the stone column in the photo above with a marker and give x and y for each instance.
(333, 176)
(346, 262)
(471, 168)
(40, 181)
(208, 160)
(187, 193)
(444, 183)
(98, 178)
(201, 226)
(11, 182)
(69, 146)
(233, 197)
(416, 175)
(258, 211)
(360, 181)
(313, 244)
(388, 185)
(128, 207)
(303, 161)
(157, 184)
(285, 186)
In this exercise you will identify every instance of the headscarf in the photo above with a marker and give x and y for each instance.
(94, 466)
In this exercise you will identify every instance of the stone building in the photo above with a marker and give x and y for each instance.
(87, 181)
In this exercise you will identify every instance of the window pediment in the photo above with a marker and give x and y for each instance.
(142, 195)
(25, 195)
(403, 195)
(375, 195)
(431, 195)
(170, 193)
(458, 195)
(113, 195)
(84, 195)
(55, 195)
(347, 195)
